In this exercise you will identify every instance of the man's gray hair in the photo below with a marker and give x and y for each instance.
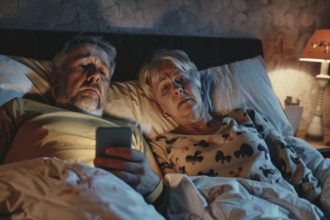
(86, 39)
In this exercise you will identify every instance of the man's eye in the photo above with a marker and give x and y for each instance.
(102, 71)
(84, 65)
(81, 67)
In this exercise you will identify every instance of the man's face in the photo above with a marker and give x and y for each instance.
(83, 79)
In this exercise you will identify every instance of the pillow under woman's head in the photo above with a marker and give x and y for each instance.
(226, 87)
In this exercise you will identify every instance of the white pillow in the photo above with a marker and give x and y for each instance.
(242, 83)
(20, 76)
(127, 100)
(226, 87)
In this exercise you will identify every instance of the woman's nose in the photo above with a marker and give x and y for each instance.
(178, 90)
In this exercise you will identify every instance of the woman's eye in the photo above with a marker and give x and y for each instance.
(179, 79)
(164, 89)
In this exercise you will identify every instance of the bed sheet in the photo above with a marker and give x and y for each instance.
(48, 188)
(203, 197)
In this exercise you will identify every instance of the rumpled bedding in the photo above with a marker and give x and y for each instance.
(203, 197)
(319, 166)
(48, 188)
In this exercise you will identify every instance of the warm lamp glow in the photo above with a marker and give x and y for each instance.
(317, 50)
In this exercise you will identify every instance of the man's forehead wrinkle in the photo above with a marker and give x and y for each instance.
(98, 52)
(90, 52)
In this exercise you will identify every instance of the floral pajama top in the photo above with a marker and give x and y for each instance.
(246, 146)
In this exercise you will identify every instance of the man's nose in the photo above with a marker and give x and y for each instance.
(93, 73)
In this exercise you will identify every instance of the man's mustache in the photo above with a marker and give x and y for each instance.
(90, 84)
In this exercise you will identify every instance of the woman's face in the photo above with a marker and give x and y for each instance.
(179, 96)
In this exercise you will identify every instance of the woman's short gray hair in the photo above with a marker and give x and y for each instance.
(86, 39)
(149, 73)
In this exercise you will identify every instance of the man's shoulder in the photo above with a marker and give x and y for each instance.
(31, 103)
(25, 105)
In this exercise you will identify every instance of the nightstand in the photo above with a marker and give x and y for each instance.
(319, 145)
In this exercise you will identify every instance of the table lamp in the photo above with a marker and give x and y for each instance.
(317, 50)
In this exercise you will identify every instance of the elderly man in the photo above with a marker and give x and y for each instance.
(81, 78)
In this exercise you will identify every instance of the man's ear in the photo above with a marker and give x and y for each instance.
(54, 81)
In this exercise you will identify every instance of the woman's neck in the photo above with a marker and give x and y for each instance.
(208, 125)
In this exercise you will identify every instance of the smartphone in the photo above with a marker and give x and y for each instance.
(112, 137)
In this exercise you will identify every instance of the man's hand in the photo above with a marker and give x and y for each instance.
(130, 165)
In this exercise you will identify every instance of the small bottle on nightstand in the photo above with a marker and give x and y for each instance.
(293, 111)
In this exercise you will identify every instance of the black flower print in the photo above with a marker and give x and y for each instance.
(211, 172)
(221, 157)
(195, 158)
(266, 172)
(246, 150)
(264, 149)
(202, 143)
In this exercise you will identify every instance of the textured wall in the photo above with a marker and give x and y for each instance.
(283, 25)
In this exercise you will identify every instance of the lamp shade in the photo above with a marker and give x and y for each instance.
(317, 48)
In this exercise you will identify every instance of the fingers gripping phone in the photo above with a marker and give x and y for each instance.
(112, 137)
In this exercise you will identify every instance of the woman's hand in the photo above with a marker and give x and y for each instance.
(130, 165)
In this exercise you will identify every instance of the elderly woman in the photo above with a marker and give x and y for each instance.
(235, 145)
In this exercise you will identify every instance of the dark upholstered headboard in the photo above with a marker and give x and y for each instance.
(133, 49)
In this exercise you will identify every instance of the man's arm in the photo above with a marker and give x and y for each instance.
(133, 167)
(137, 166)
(159, 197)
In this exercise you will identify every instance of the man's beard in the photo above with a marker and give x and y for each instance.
(89, 105)
(73, 100)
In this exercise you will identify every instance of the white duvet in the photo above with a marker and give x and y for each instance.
(52, 189)
(49, 189)
(235, 198)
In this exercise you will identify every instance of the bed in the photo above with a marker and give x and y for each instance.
(233, 75)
